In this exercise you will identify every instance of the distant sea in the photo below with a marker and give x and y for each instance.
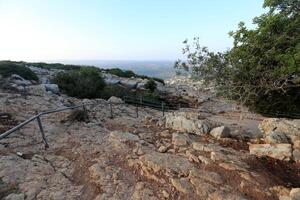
(159, 69)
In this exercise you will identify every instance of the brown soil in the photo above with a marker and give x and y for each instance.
(280, 172)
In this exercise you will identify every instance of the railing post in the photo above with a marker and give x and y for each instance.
(162, 108)
(42, 131)
(111, 111)
(85, 116)
(137, 111)
(179, 106)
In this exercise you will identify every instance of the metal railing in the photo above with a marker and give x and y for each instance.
(137, 102)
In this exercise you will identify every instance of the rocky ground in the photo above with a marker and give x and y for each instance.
(192, 153)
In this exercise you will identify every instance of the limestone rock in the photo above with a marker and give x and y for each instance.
(182, 185)
(141, 192)
(290, 127)
(163, 161)
(15, 197)
(52, 88)
(180, 139)
(162, 149)
(296, 155)
(276, 137)
(121, 140)
(295, 194)
(277, 151)
(114, 99)
(220, 132)
(187, 122)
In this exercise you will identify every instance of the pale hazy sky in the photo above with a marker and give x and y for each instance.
(41, 30)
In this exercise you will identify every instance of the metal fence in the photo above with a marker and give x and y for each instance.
(138, 102)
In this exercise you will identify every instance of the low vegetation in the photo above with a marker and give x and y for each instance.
(262, 70)
(8, 68)
(151, 85)
(129, 74)
(84, 83)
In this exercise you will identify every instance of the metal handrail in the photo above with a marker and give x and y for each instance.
(38, 115)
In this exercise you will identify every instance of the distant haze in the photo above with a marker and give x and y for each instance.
(159, 69)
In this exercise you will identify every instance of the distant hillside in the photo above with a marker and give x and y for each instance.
(159, 69)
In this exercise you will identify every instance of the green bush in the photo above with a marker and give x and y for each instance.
(151, 85)
(84, 83)
(8, 68)
(128, 74)
(121, 73)
(262, 70)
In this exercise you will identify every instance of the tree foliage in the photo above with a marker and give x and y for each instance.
(84, 83)
(262, 69)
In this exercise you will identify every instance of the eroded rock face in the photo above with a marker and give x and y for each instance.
(187, 122)
(291, 128)
(276, 137)
(277, 151)
(220, 132)
(122, 158)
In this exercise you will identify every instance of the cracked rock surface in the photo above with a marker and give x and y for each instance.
(135, 158)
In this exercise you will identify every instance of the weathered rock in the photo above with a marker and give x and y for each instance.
(142, 192)
(287, 126)
(114, 99)
(277, 151)
(129, 83)
(166, 162)
(204, 160)
(121, 140)
(162, 149)
(187, 122)
(296, 144)
(15, 197)
(276, 137)
(180, 139)
(37, 90)
(295, 194)
(296, 155)
(220, 132)
(52, 88)
(182, 185)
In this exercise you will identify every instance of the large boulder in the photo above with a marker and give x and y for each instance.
(220, 132)
(129, 83)
(187, 122)
(114, 99)
(52, 88)
(37, 90)
(276, 137)
(277, 151)
(291, 128)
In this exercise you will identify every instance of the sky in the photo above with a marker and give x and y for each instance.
(41, 30)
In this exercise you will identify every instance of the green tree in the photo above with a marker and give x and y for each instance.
(262, 69)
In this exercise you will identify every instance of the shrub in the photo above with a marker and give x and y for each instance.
(128, 74)
(8, 68)
(151, 85)
(84, 83)
(121, 73)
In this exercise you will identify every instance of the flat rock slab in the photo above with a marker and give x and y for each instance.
(277, 151)
(163, 161)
